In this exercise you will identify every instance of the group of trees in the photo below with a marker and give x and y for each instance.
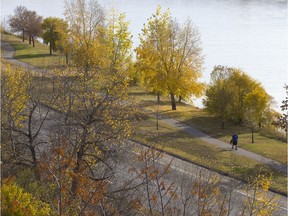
(66, 143)
(233, 95)
(54, 31)
(27, 22)
(169, 58)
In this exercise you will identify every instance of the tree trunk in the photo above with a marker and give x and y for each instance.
(66, 57)
(74, 184)
(286, 131)
(30, 38)
(50, 48)
(33, 41)
(173, 102)
(158, 97)
(180, 99)
(252, 130)
(35, 164)
(23, 35)
(76, 170)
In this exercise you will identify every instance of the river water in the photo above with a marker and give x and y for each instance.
(249, 34)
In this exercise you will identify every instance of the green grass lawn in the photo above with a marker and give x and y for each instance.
(268, 147)
(37, 56)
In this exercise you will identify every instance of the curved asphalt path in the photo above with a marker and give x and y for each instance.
(8, 53)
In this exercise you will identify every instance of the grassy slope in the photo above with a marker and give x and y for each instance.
(176, 141)
(37, 56)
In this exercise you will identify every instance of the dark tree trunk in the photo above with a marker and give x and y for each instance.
(33, 41)
(180, 99)
(74, 184)
(252, 130)
(23, 35)
(66, 57)
(173, 102)
(50, 48)
(77, 169)
(158, 97)
(35, 164)
(30, 39)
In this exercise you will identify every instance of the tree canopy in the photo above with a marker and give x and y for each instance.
(19, 21)
(55, 31)
(169, 57)
(86, 24)
(234, 95)
(27, 22)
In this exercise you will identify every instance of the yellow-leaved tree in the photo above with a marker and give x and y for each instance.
(169, 57)
(16, 202)
(259, 201)
(14, 95)
(87, 33)
(234, 95)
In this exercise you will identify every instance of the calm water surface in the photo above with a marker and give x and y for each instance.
(250, 34)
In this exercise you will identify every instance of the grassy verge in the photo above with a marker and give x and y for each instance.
(37, 56)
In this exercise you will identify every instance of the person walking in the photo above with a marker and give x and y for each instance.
(234, 141)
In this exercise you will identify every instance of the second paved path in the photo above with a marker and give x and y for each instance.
(208, 139)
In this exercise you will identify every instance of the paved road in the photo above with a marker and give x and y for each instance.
(187, 170)
(208, 139)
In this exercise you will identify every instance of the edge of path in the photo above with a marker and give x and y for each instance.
(200, 165)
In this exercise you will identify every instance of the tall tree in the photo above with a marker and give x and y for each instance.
(221, 92)
(86, 21)
(34, 26)
(169, 57)
(256, 102)
(19, 21)
(118, 46)
(54, 30)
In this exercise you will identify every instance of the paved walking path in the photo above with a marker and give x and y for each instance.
(8, 53)
(208, 139)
